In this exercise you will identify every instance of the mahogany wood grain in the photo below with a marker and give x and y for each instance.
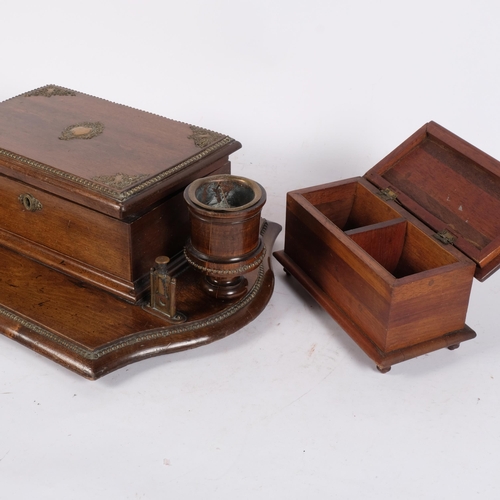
(383, 241)
(396, 305)
(92, 247)
(348, 204)
(448, 184)
(133, 142)
(92, 333)
(67, 228)
(383, 359)
(381, 270)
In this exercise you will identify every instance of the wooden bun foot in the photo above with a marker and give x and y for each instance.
(383, 369)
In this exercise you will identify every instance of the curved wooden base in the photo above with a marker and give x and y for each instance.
(384, 360)
(93, 333)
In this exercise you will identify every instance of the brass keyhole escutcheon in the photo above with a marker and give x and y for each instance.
(29, 202)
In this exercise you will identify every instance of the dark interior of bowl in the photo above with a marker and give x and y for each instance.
(224, 194)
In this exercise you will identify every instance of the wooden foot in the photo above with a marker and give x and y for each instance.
(383, 369)
(453, 347)
(364, 338)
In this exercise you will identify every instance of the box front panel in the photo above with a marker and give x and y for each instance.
(392, 278)
(349, 282)
(429, 307)
(431, 296)
(66, 228)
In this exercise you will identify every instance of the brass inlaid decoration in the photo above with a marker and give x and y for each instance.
(108, 191)
(142, 336)
(49, 91)
(145, 336)
(84, 130)
(203, 137)
(119, 181)
(241, 270)
(206, 139)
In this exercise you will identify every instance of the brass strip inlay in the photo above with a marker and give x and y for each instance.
(143, 336)
(117, 195)
(44, 332)
(50, 90)
(147, 335)
(177, 168)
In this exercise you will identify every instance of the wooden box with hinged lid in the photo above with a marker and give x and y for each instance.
(94, 189)
(391, 256)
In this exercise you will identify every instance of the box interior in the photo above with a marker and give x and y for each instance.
(396, 244)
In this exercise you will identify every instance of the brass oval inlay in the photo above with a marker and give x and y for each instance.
(84, 130)
(81, 130)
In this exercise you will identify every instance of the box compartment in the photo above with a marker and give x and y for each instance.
(391, 255)
(379, 264)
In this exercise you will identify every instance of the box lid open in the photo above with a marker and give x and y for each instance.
(452, 187)
(106, 156)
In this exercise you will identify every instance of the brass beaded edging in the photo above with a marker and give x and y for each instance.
(213, 320)
(124, 195)
(177, 168)
(43, 332)
(240, 270)
(94, 186)
(142, 336)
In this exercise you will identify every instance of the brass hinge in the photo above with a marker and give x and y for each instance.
(163, 291)
(387, 194)
(444, 236)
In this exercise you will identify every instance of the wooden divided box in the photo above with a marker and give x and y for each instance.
(391, 255)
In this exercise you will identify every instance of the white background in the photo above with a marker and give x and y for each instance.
(288, 407)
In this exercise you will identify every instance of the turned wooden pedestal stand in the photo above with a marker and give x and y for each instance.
(93, 223)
